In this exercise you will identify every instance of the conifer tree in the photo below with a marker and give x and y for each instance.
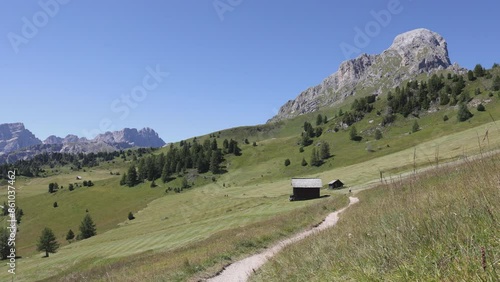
(70, 235)
(87, 227)
(47, 242)
(131, 176)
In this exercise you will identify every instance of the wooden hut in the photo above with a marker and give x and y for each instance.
(335, 184)
(306, 188)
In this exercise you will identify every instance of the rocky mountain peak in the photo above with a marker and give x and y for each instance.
(411, 53)
(14, 136)
(145, 137)
(52, 140)
(16, 142)
(421, 49)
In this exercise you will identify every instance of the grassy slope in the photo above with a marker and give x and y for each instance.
(257, 185)
(179, 219)
(439, 226)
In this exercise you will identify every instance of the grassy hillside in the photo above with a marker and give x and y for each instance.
(252, 194)
(442, 225)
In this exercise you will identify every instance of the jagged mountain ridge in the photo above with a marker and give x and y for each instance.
(14, 136)
(16, 142)
(411, 53)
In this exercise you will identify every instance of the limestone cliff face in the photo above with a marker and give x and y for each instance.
(412, 53)
(14, 136)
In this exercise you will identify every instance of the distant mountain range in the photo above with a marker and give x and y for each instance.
(411, 53)
(17, 142)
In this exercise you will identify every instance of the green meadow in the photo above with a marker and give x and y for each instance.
(224, 217)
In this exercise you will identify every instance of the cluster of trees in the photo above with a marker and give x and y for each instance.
(318, 156)
(48, 242)
(203, 157)
(419, 96)
(34, 166)
(54, 187)
(320, 119)
(359, 108)
(309, 133)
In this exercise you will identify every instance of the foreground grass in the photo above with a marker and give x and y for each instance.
(200, 259)
(442, 225)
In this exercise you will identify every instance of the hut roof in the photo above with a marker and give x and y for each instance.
(307, 182)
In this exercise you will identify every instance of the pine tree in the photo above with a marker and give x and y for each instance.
(19, 215)
(165, 174)
(315, 160)
(150, 168)
(214, 162)
(47, 242)
(70, 236)
(87, 227)
(142, 172)
(131, 216)
(214, 144)
(4, 243)
(463, 113)
(51, 188)
(319, 119)
(303, 163)
(479, 70)
(131, 176)
(378, 134)
(325, 120)
(496, 83)
(324, 151)
(306, 141)
(287, 162)
(353, 134)
(470, 76)
(123, 181)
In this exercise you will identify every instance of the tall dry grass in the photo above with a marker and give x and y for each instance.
(443, 225)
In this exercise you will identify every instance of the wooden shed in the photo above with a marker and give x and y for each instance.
(335, 184)
(306, 188)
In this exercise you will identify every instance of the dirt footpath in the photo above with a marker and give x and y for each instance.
(241, 270)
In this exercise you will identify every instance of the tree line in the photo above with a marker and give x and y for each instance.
(34, 167)
(203, 157)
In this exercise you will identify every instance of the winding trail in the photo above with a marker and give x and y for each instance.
(241, 270)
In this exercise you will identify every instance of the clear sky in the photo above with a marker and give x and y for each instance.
(186, 67)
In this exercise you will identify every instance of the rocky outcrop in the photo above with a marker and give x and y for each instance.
(14, 136)
(52, 140)
(412, 53)
(145, 137)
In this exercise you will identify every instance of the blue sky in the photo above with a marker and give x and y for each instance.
(186, 68)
